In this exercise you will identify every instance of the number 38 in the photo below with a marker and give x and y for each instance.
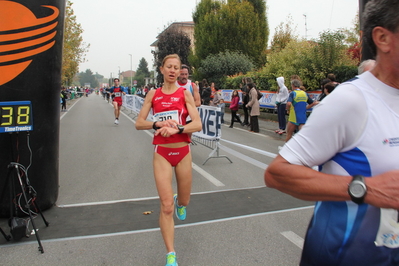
(7, 115)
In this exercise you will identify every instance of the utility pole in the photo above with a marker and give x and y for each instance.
(131, 72)
(306, 28)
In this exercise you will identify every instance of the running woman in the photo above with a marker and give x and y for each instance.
(116, 92)
(171, 105)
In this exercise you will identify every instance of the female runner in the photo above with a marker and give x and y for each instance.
(171, 105)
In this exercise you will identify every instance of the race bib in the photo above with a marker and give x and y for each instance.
(117, 94)
(388, 233)
(162, 116)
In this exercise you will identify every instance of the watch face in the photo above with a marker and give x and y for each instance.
(357, 189)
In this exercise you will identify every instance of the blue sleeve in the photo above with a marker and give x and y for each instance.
(291, 97)
(111, 90)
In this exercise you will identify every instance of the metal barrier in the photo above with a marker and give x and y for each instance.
(212, 144)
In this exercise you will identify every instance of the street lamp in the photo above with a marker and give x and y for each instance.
(131, 73)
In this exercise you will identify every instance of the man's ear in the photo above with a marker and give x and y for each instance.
(382, 39)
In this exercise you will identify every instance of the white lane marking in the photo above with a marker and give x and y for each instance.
(294, 238)
(269, 154)
(157, 229)
(208, 176)
(244, 157)
(70, 108)
(199, 170)
(151, 198)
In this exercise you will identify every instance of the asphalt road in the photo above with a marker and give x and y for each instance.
(106, 184)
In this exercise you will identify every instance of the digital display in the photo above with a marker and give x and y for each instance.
(16, 116)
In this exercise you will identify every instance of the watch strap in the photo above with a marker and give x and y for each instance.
(181, 128)
(154, 126)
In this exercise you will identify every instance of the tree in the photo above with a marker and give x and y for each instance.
(88, 77)
(311, 60)
(74, 49)
(352, 39)
(239, 26)
(284, 34)
(142, 72)
(216, 67)
(143, 68)
(171, 41)
(330, 51)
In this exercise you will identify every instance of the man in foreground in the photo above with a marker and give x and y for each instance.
(356, 146)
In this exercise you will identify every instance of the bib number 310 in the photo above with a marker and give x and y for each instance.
(163, 116)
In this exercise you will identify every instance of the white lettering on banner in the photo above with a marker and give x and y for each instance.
(210, 118)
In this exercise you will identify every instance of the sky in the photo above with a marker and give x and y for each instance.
(114, 29)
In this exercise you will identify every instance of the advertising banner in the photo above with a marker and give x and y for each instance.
(211, 120)
(31, 40)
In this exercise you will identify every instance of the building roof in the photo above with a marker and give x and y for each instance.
(180, 25)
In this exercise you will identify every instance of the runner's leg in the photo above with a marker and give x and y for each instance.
(163, 179)
(115, 104)
(290, 130)
(184, 174)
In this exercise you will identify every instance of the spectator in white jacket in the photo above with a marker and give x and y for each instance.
(281, 102)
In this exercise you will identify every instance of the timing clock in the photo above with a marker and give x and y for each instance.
(16, 116)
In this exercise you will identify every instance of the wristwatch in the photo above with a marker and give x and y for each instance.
(154, 126)
(357, 189)
(180, 128)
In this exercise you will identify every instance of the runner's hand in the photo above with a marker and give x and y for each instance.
(166, 131)
(383, 190)
(167, 123)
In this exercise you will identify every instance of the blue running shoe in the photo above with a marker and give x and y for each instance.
(171, 259)
(180, 210)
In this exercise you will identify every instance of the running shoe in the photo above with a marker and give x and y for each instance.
(171, 259)
(116, 122)
(180, 210)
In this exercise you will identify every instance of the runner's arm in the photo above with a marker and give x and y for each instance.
(307, 184)
(195, 125)
(141, 121)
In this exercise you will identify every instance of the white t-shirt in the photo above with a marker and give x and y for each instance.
(354, 131)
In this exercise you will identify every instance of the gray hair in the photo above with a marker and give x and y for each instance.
(383, 13)
(365, 66)
(296, 83)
